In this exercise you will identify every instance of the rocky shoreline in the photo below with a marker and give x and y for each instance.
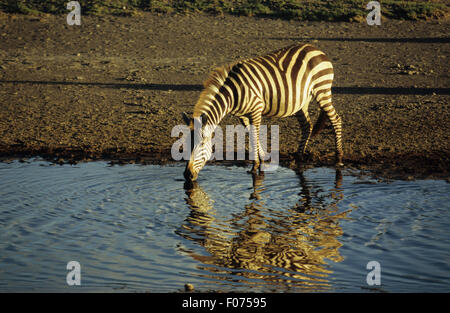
(114, 87)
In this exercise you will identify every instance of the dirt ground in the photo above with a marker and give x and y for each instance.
(114, 87)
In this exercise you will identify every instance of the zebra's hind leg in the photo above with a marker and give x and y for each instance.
(305, 123)
(320, 124)
(335, 119)
(337, 126)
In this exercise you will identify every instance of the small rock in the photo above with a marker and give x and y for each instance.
(72, 162)
(188, 287)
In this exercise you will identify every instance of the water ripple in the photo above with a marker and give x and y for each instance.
(141, 228)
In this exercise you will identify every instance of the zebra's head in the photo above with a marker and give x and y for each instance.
(201, 147)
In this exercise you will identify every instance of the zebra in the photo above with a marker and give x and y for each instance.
(279, 84)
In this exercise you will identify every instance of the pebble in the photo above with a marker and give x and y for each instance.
(188, 287)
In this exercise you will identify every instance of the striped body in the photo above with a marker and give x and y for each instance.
(279, 84)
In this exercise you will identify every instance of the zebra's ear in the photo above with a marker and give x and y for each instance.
(186, 118)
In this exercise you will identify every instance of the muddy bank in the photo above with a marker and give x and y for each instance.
(114, 87)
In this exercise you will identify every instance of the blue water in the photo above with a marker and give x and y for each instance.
(136, 228)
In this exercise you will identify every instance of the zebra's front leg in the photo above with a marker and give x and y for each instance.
(257, 153)
(305, 123)
(245, 121)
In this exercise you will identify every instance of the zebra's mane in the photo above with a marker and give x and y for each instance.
(211, 85)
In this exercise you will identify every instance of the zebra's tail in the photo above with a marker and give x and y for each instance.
(320, 123)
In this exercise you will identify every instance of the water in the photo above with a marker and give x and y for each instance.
(140, 228)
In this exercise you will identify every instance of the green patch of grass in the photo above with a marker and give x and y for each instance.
(317, 10)
(90, 7)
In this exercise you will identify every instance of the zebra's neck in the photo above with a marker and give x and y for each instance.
(215, 101)
(213, 112)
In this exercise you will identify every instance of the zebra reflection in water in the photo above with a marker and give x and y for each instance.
(282, 247)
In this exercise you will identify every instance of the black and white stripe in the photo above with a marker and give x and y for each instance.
(279, 84)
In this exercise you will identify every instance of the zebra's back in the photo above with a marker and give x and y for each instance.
(285, 80)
